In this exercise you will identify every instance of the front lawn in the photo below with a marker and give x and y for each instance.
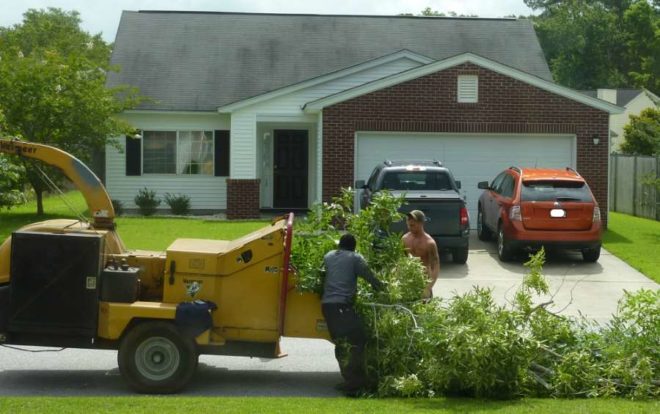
(636, 241)
(145, 233)
(164, 405)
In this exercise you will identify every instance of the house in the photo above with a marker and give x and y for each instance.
(275, 111)
(634, 101)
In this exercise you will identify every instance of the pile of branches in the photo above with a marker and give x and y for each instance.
(469, 345)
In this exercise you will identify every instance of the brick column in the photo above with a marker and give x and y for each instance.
(242, 199)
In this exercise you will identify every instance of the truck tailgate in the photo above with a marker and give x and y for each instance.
(442, 210)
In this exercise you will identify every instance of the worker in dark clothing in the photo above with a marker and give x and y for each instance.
(343, 266)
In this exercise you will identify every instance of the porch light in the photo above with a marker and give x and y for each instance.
(596, 139)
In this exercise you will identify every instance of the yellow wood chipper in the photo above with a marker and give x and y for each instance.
(68, 283)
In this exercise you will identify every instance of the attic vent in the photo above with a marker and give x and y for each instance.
(468, 88)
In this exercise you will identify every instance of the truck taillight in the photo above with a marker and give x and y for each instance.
(596, 216)
(514, 213)
(465, 220)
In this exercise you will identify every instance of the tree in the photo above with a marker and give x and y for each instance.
(52, 87)
(10, 179)
(642, 28)
(642, 133)
(600, 43)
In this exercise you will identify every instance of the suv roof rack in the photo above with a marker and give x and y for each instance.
(389, 163)
(516, 169)
(571, 169)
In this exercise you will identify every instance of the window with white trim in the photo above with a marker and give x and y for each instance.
(468, 88)
(178, 152)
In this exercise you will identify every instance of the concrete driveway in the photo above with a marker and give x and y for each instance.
(576, 287)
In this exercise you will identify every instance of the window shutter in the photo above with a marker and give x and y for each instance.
(133, 156)
(221, 148)
(468, 88)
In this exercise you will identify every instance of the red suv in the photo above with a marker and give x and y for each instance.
(534, 207)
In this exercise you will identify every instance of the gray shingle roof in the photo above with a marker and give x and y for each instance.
(623, 96)
(197, 61)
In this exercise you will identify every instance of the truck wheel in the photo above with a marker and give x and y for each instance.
(483, 232)
(460, 256)
(591, 255)
(155, 358)
(503, 249)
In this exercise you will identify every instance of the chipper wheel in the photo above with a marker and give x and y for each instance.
(155, 358)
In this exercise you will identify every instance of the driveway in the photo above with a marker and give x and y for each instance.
(576, 287)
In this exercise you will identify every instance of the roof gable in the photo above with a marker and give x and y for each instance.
(402, 54)
(552, 87)
(200, 61)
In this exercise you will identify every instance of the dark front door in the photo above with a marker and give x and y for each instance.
(290, 169)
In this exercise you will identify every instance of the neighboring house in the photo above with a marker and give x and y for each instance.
(267, 111)
(633, 101)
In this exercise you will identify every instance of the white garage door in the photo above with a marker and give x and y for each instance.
(471, 158)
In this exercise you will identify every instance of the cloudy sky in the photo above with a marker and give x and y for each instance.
(103, 16)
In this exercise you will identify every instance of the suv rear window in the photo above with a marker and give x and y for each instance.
(416, 180)
(555, 190)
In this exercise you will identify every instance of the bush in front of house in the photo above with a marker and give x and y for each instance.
(147, 201)
(179, 203)
(119, 207)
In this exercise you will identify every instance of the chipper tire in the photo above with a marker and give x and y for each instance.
(155, 358)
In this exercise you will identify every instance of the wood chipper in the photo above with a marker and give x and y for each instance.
(68, 283)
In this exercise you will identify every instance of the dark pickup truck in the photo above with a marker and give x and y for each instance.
(431, 188)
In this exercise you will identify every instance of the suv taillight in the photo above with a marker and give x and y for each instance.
(465, 220)
(514, 213)
(596, 217)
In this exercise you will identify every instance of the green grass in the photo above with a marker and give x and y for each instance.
(164, 405)
(636, 241)
(146, 233)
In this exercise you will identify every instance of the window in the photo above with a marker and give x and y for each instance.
(416, 180)
(558, 190)
(159, 155)
(468, 88)
(508, 186)
(178, 152)
(497, 182)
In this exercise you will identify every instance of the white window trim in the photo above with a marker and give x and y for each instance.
(176, 155)
(467, 88)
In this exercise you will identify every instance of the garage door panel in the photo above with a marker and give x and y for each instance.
(471, 158)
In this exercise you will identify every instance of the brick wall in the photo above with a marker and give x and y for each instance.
(242, 199)
(428, 104)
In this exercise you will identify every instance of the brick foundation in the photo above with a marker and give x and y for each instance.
(242, 199)
(428, 104)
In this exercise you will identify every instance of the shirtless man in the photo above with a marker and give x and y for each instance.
(419, 244)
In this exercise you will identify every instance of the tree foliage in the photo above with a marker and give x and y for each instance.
(642, 133)
(469, 345)
(52, 86)
(600, 43)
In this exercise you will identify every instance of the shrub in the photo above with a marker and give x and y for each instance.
(469, 345)
(119, 207)
(147, 201)
(179, 203)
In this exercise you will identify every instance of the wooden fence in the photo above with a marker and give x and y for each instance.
(630, 189)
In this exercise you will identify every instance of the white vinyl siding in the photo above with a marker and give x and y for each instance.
(468, 88)
(205, 192)
(471, 158)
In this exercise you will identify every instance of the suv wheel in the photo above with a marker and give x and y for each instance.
(591, 255)
(483, 232)
(503, 249)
